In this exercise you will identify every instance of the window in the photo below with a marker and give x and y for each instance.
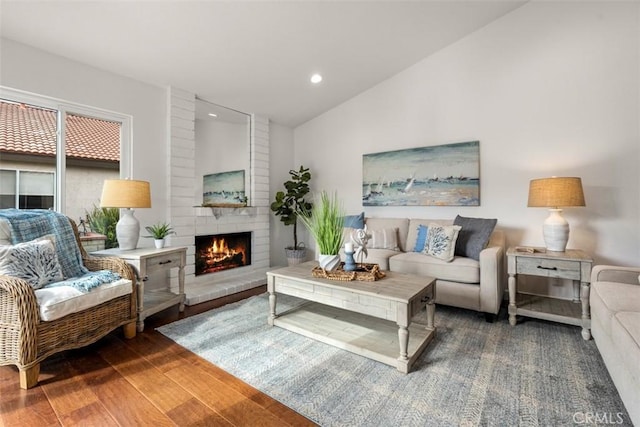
(26, 189)
(56, 155)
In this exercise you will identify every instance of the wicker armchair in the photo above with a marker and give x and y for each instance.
(25, 340)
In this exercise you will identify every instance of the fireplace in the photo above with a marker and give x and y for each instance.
(220, 252)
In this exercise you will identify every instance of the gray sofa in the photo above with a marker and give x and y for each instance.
(463, 282)
(615, 326)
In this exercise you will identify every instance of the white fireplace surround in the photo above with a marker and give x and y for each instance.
(189, 220)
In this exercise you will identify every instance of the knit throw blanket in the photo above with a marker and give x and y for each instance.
(27, 225)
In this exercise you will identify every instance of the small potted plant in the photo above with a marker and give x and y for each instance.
(325, 222)
(159, 232)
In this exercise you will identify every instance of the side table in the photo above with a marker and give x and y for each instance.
(146, 261)
(573, 264)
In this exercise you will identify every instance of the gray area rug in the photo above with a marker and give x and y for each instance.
(473, 374)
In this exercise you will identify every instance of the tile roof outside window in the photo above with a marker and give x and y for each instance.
(30, 130)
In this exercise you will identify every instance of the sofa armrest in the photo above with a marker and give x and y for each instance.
(19, 316)
(611, 273)
(492, 273)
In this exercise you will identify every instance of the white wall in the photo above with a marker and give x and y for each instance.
(220, 147)
(549, 89)
(280, 163)
(32, 70)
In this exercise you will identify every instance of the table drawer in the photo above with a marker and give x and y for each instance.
(163, 262)
(548, 268)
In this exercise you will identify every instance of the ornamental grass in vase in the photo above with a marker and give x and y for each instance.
(325, 222)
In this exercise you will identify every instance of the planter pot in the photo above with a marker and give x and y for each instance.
(159, 243)
(295, 256)
(329, 262)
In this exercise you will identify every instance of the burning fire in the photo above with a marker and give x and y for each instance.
(219, 251)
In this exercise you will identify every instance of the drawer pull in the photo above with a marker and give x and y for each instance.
(165, 262)
(548, 268)
(425, 299)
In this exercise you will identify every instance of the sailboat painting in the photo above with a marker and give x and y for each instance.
(224, 189)
(440, 175)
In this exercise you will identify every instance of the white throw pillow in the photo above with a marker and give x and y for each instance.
(441, 241)
(386, 238)
(35, 262)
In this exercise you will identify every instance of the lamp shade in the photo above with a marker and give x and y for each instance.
(125, 193)
(555, 192)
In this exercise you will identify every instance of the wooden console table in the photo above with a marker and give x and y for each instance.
(573, 264)
(147, 261)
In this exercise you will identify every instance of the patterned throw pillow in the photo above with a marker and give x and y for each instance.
(441, 241)
(35, 262)
(386, 238)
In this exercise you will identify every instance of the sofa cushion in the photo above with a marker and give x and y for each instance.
(609, 298)
(441, 241)
(380, 257)
(60, 301)
(35, 262)
(461, 269)
(625, 334)
(474, 235)
(386, 238)
(402, 224)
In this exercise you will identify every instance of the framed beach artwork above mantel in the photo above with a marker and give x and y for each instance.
(224, 189)
(439, 175)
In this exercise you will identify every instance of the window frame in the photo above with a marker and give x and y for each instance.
(64, 108)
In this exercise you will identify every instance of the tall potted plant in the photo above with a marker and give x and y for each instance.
(325, 222)
(289, 205)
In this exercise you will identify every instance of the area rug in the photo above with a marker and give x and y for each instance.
(474, 373)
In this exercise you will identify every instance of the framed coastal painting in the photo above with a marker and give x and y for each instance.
(224, 189)
(440, 175)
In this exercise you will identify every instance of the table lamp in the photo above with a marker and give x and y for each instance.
(126, 194)
(555, 193)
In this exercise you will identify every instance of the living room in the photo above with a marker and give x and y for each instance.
(549, 89)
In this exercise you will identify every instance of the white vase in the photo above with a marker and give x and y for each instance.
(159, 243)
(329, 262)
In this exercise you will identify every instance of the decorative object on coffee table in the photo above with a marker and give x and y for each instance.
(360, 238)
(349, 262)
(555, 193)
(288, 206)
(325, 222)
(362, 272)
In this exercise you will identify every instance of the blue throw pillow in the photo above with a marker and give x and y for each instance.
(473, 236)
(354, 221)
(421, 239)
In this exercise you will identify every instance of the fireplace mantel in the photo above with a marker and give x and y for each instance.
(217, 212)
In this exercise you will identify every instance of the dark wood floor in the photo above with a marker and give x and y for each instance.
(149, 380)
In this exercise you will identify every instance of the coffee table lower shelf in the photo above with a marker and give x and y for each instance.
(367, 336)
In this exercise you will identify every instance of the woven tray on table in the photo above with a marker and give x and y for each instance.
(363, 272)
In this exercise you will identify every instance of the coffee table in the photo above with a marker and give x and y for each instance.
(378, 320)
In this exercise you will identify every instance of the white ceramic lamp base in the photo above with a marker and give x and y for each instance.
(127, 230)
(556, 231)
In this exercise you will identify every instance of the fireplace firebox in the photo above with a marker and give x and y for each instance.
(220, 252)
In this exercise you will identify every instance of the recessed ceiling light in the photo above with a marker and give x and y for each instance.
(213, 114)
(316, 78)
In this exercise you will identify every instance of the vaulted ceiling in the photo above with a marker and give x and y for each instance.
(252, 56)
